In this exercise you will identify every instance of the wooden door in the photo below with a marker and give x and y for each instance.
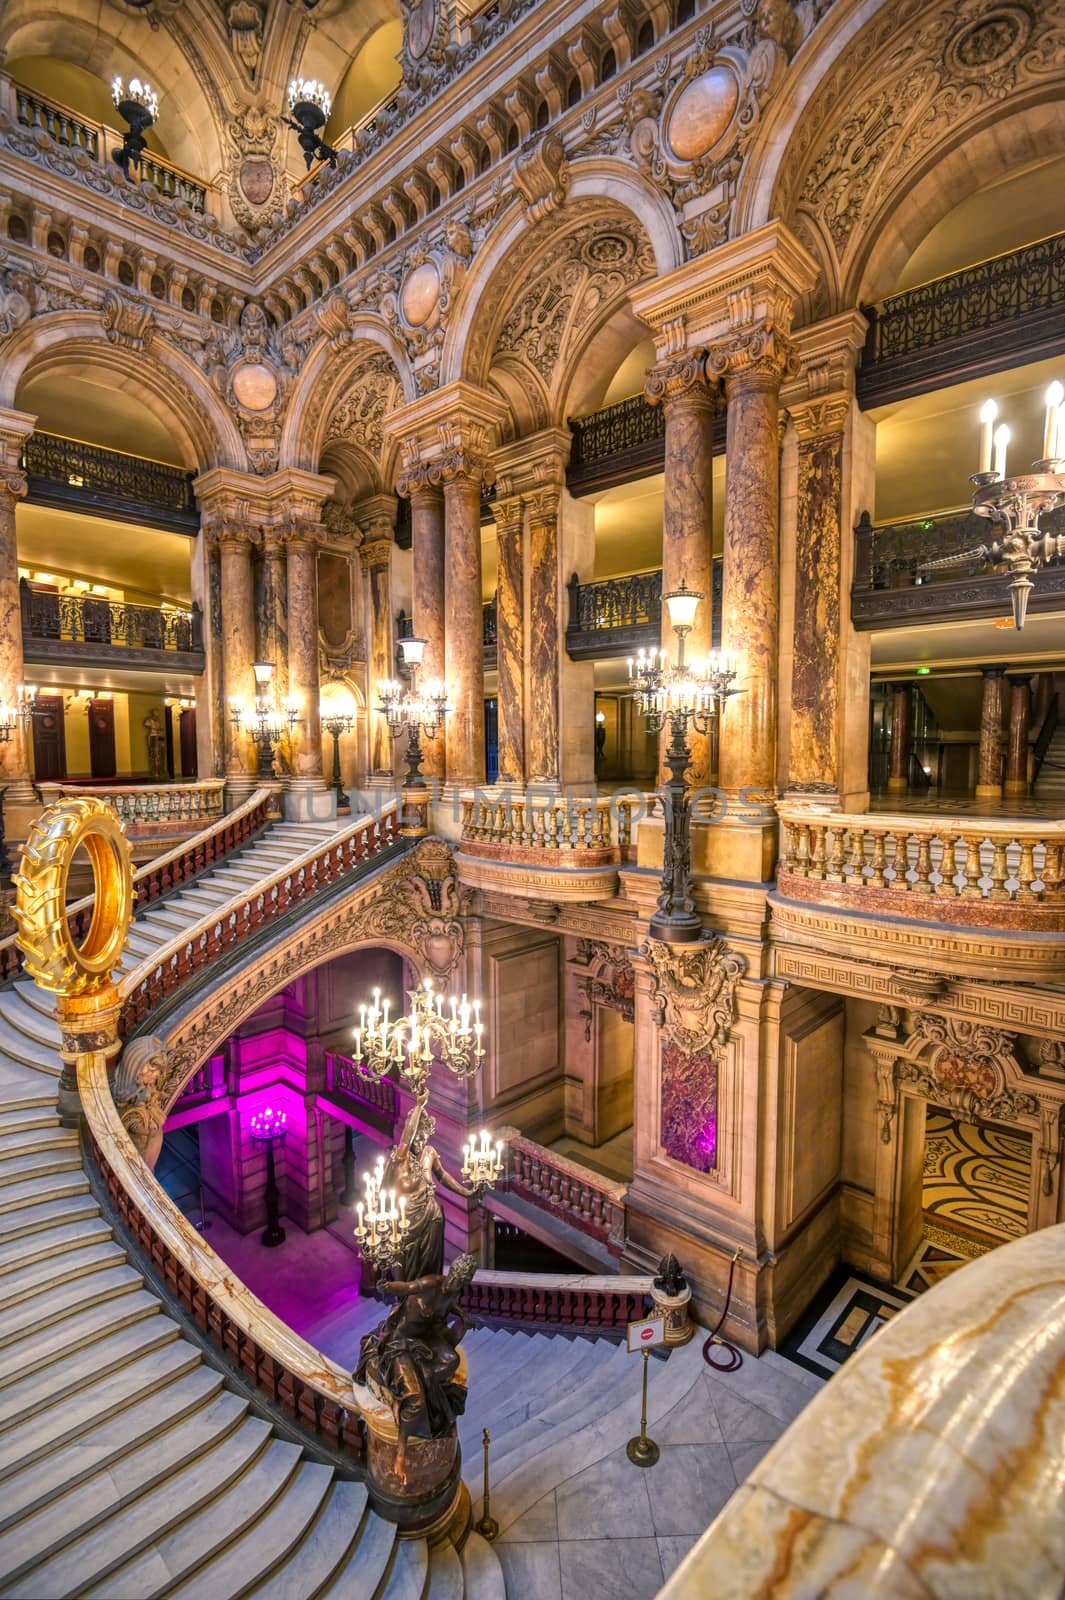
(188, 743)
(102, 738)
(49, 739)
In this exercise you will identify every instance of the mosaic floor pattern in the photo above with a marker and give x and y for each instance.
(976, 1179)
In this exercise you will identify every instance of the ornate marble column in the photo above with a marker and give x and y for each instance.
(510, 638)
(545, 639)
(377, 522)
(15, 429)
(301, 547)
(753, 365)
(463, 472)
(1017, 742)
(901, 744)
(688, 398)
(989, 760)
(235, 543)
(275, 608)
(427, 579)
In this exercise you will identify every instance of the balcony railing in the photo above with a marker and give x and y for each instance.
(621, 442)
(618, 616)
(984, 872)
(890, 590)
(72, 476)
(528, 825)
(90, 628)
(587, 1201)
(353, 1091)
(998, 313)
(98, 139)
(151, 808)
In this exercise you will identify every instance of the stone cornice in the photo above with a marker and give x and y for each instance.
(828, 355)
(280, 499)
(534, 462)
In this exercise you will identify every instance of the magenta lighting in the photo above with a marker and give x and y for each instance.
(268, 1124)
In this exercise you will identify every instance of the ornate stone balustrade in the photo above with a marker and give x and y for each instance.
(931, 1464)
(216, 935)
(520, 826)
(587, 1201)
(166, 872)
(557, 1300)
(152, 808)
(976, 870)
(353, 1091)
(302, 1383)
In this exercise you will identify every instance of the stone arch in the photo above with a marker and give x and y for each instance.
(166, 382)
(899, 118)
(612, 194)
(323, 384)
(132, 46)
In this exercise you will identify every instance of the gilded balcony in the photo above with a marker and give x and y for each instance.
(92, 630)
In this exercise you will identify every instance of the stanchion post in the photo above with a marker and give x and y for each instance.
(643, 1335)
(488, 1527)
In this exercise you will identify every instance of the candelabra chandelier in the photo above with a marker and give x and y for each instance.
(309, 103)
(681, 695)
(1015, 504)
(432, 1031)
(418, 711)
(264, 722)
(138, 104)
(381, 1228)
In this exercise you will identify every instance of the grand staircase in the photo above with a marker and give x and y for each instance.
(1050, 784)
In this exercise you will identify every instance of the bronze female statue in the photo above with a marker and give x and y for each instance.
(412, 1170)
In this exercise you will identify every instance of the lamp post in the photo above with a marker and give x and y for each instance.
(138, 103)
(1015, 504)
(336, 723)
(268, 1128)
(682, 694)
(415, 711)
(309, 103)
(264, 723)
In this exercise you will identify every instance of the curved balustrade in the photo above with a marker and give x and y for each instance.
(593, 1204)
(165, 872)
(305, 1384)
(521, 826)
(931, 1464)
(557, 1300)
(973, 870)
(195, 948)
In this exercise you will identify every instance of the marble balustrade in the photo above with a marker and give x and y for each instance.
(589, 1202)
(140, 803)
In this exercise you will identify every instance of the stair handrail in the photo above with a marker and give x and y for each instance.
(558, 1299)
(154, 878)
(160, 973)
(312, 1389)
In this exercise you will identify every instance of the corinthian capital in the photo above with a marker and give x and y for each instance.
(683, 379)
(760, 352)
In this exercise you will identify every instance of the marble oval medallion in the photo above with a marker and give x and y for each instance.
(254, 385)
(702, 112)
(420, 294)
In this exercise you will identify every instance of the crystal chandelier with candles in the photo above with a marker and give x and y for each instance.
(482, 1161)
(681, 695)
(433, 1030)
(138, 104)
(416, 710)
(1014, 505)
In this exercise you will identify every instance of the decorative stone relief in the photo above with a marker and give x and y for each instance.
(541, 177)
(253, 370)
(244, 19)
(16, 306)
(137, 1090)
(415, 300)
(608, 980)
(693, 991)
(374, 392)
(256, 171)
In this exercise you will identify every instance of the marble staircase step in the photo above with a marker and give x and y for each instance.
(56, 1301)
(604, 1386)
(24, 1141)
(33, 1191)
(489, 1360)
(446, 1579)
(81, 1328)
(38, 1052)
(112, 1439)
(364, 1571)
(482, 1575)
(35, 999)
(26, 1020)
(15, 1171)
(408, 1572)
(36, 1276)
(96, 1402)
(266, 1540)
(524, 1358)
(143, 1525)
(41, 1390)
(26, 1119)
(30, 1219)
(73, 1515)
(56, 1240)
(491, 1403)
(535, 1406)
(317, 1559)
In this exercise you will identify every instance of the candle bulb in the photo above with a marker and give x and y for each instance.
(1054, 396)
(988, 413)
(1002, 439)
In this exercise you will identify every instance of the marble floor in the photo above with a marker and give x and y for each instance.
(611, 1529)
(955, 804)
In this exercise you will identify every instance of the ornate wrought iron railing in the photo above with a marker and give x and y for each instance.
(488, 624)
(91, 620)
(84, 477)
(618, 616)
(889, 588)
(97, 139)
(628, 437)
(1030, 279)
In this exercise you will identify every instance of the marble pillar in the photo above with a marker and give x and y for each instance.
(989, 761)
(274, 644)
(235, 541)
(901, 744)
(427, 575)
(545, 639)
(463, 475)
(211, 724)
(377, 522)
(750, 604)
(688, 399)
(510, 639)
(301, 546)
(15, 428)
(1017, 740)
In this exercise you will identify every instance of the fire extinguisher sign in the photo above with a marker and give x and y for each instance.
(646, 1333)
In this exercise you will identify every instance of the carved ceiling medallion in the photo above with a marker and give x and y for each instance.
(985, 46)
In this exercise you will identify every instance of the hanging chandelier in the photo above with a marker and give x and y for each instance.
(431, 1031)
